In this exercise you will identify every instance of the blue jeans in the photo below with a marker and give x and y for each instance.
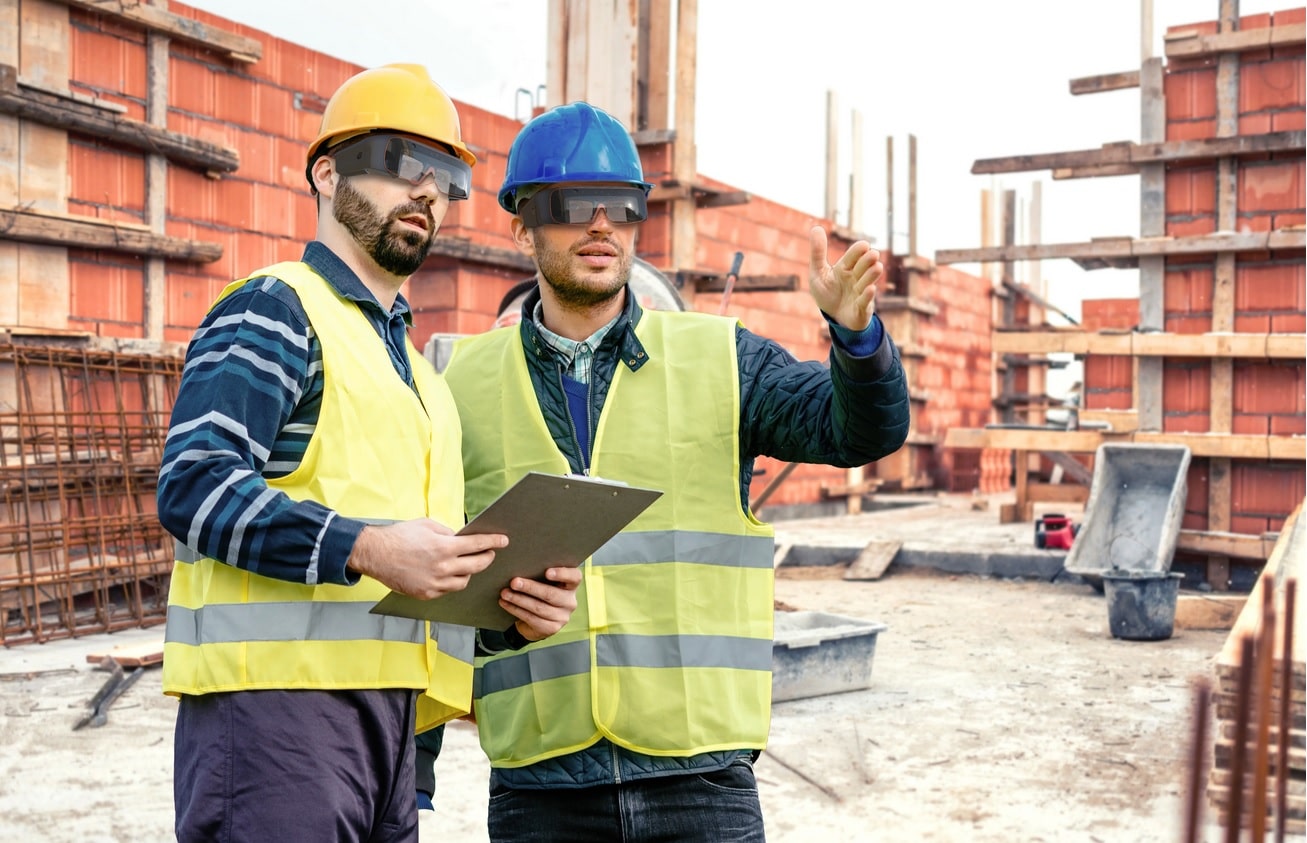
(712, 807)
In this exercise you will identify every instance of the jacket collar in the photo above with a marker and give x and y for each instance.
(620, 339)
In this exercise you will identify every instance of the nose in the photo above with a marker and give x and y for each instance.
(427, 189)
(600, 221)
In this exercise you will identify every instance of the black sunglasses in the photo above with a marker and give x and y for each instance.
(404, 158)
(580, 205)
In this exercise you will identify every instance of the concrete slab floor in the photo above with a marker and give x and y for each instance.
(1000, 709)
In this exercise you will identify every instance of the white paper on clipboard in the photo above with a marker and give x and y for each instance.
(550, 520)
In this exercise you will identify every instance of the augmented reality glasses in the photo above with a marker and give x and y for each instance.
(404, 158)
(580, 205)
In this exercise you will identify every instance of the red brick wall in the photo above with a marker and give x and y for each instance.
(262, 213)
(1269, 286)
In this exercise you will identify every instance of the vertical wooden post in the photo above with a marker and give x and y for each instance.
(889, 193)
(1221, 413)
(855, 174)
(832, 154)
(1152, 223)
(912, 195)
(684, 164)
(156, 179)
(655, 64)
(558, 26)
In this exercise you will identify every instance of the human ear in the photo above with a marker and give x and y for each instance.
(523, 237)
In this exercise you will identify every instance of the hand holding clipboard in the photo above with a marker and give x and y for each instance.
(550, 520)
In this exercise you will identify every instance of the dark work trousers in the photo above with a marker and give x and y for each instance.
(696, 808)
(291, 766)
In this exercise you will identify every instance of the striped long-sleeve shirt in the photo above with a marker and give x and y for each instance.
(246, 408)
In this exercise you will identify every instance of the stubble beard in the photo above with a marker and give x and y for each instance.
(395, 249)
(556, 268)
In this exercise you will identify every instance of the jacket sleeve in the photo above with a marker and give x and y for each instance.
(848, 414)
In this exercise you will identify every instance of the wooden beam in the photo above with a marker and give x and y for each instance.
(191, 31)
(70, 115)
(1125, 248)
(704, 196)
(712, 282)
(1073, 341)
(89, 233)
(1057, 492)
(653, 137)
(464, 249)
(1234, 446)
(1105, 82)
(1119, 154)
(1223, 543)
(1190, 42)
(1093, 172)
(1120, 421)
(1208, 611)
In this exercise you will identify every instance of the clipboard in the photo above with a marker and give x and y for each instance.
(550, 520)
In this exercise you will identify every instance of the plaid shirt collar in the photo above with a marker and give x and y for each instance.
(577, 356)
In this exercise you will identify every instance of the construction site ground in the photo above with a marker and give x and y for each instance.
(1000, 708)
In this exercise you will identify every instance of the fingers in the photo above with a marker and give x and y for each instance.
(544, 607)
(817, 255)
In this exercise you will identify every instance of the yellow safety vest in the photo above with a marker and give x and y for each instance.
(670, 649)
(380, 453)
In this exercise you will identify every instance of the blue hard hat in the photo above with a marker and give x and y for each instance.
(571, 143)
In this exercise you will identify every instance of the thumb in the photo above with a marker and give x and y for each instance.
(817, 259)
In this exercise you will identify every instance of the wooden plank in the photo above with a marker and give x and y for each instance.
(1121, 154)
(90, 233)
(716, 282)
(1286, 561)
(463, 248)
(73, 116)
(1120, 421)
(1187, 43)
(229, 44)
(684, 155)
(1208, 611)
(873, 560)
(1234, 446)
(1125, 247)
(1224, 543)
(1224, 345)
(144, 654)
(655, 66)
(1057, 493)
(156, 179)
(1105, 82)
(1093, 172)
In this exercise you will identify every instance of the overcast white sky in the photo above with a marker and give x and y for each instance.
(970, 78)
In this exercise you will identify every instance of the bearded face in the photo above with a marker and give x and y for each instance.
(576, 285)
(398, 247)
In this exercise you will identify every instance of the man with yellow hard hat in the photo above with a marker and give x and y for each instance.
(312, 466)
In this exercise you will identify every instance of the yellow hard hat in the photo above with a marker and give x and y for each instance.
(397, 98)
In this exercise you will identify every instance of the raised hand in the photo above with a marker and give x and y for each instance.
(846, 291)
(422, 558)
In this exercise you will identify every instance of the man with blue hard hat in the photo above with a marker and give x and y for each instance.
(642, 717)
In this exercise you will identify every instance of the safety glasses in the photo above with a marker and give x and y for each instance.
(404, 158)
(580, 205)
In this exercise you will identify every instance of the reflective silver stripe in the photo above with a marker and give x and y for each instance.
(184, 553)
(726, 651)
(532, 666)
(686, 546)
(228, 623)
(671, 651)
(456, 641)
